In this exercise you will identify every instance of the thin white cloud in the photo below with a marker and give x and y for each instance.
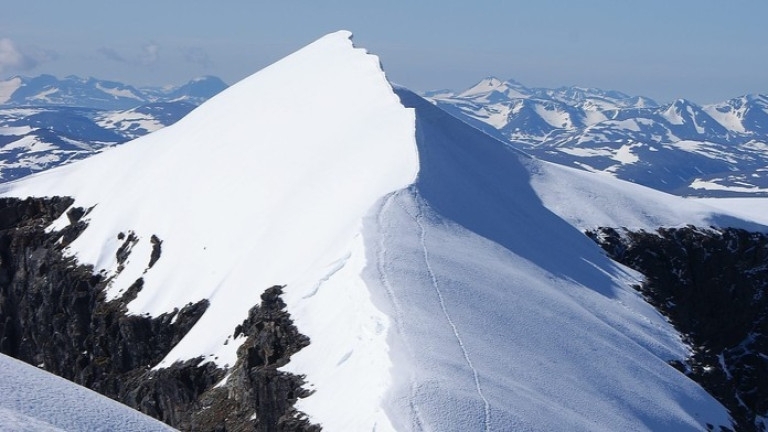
(150, 53)
(198, 56)
(111, 54)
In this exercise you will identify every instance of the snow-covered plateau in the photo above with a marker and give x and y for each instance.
(441, 275)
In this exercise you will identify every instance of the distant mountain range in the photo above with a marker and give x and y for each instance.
(45, 121)
(681, 147)
(73, 91)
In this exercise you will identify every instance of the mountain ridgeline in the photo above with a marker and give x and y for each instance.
(681, 147)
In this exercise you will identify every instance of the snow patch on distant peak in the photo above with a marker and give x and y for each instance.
(8, 87)
(117, 92)
(728, 116)
(43, 95)
(674, 114)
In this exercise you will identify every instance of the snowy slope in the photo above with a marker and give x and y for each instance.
(477, 273)
(32, 400)
(442, 280)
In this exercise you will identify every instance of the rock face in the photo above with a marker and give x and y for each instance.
(257, 396)
(54, 314)
(712, 284)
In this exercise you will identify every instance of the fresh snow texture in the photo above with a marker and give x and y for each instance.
(442, 277)
(32, 400)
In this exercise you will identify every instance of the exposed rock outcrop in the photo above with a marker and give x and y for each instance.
(257, 396)
(712, 285)
(54, 314)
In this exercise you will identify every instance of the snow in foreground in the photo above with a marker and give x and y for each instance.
(32, 400)
(441, 277)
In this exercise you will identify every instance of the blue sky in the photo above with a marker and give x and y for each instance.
(702, 50)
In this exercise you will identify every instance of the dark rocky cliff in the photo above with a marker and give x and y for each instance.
(712, 285)
(54, 314)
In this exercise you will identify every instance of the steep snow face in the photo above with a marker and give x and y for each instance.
(33, 400)
(265, 184)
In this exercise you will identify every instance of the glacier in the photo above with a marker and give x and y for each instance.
(441, 275)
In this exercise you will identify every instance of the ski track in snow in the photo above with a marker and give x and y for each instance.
(476, 376)
(416, 423)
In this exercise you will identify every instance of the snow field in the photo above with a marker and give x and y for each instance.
(32, 400)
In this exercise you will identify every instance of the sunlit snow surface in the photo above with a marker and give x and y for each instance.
(32, 400)
(443, 278)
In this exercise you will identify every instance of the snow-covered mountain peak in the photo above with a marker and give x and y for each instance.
(494, 89)
(678, 111)
(484, 86)
(314, 139)
(441, 276)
